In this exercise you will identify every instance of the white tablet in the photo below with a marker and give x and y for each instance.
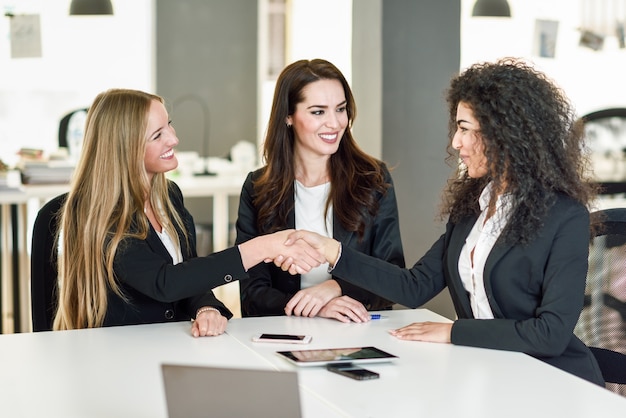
(325, 356)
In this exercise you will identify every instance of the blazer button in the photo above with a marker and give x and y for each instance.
(169, 314)
(228, 278)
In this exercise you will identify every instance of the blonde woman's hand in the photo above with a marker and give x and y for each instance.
(271, 247)
(209, 322)
(327, 247)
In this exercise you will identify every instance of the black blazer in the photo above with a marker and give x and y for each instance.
(158, 291)
(535, 291)
(269, 288)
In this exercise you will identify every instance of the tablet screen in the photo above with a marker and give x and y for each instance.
(336, 355)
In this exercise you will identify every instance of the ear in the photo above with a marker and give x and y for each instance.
(288, 121)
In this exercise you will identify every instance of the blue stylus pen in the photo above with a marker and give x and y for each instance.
(377, 316)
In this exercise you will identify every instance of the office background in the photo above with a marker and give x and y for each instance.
(398, 55)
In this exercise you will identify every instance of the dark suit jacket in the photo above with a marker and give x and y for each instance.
(269, 288)
(535, 291)
(157, 290)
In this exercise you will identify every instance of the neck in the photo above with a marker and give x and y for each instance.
(312, 173)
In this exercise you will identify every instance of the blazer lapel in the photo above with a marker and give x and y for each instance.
(455, 285)
(156, 244)
(499, 250)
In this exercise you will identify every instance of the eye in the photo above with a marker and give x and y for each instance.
(341, 109)
(317, 112)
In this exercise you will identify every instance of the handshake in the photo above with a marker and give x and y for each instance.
(298, 251)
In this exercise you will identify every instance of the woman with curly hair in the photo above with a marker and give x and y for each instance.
(514, 253)
(317, 178)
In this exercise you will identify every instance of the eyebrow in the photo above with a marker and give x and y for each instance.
(326, 107)
(155, 132)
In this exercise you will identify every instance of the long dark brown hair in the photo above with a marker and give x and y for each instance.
(357, 179)
(532, 140)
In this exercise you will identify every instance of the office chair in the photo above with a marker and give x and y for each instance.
(602, 323)
(606, 135)
(64, 126)
(43, 264)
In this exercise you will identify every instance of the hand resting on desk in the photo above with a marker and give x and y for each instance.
(325, 300)
(439, 332)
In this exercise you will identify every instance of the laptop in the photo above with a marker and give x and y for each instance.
(199, 391)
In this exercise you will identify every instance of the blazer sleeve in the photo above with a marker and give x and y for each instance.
(383, 242)
(258, 294)
(410, 287)
(537, 322)
(193, 303)
(139, 266)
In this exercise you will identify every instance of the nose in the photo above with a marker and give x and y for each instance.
(172, 139)
(332, 121)
(456, 141)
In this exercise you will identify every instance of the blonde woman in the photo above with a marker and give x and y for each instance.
(127, 244)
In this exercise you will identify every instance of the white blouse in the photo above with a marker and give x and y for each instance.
(309, 211)
(176, 254)
(480, 242)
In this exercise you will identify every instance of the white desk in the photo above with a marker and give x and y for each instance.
(115, 372)
(14, 213)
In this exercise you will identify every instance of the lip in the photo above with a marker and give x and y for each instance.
(329, 137)
(168, 155)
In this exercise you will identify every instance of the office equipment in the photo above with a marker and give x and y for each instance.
(43, 264)
(282, 338)
(197, 391)
(605, 131)
(602, 323)
(352, 371)
(325, 356)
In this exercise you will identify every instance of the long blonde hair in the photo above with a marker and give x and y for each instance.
(105, 206)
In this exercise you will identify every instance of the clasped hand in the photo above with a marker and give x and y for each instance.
(326, 247)
(297, 252)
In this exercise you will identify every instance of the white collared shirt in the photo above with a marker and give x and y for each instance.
(309, 210)
(176, 254)
(480, 241)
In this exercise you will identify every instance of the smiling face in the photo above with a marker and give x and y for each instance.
(320, 119)
(160, 141)
(468, 141)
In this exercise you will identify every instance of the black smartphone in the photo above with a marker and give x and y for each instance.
(352, 371)
(282, 338)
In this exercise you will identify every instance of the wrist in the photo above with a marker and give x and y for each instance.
(333, 254)
(206, 309)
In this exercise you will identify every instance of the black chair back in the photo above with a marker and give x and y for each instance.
(602, 323)
(43, 271)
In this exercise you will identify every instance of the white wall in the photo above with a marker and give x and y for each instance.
(315, 29)
(81, 56)
(592, 79)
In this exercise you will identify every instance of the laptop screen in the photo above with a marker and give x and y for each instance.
(199, 391)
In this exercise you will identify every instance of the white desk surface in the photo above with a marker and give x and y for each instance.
(115, 372)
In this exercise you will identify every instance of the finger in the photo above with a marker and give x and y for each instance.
(287, 264)
(348, 313)
(341, 317)
(293, 302)
(293, 237)
(195, 332)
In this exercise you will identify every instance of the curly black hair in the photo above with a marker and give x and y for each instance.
(532, 139)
